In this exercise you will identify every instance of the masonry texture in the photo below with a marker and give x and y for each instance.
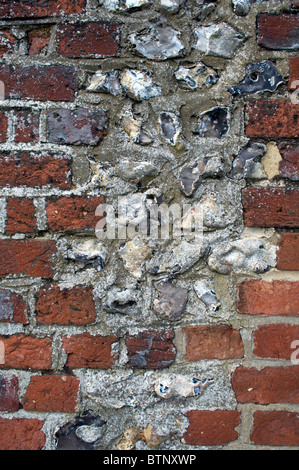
(148, 343)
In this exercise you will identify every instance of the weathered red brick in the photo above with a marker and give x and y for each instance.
(270, 118)
(40, 8)
(26, 352)
(29, 257)
(294, 72)
(38, 39)
(32, 170)
(295, 3)
(212, 342)
(268, 298)
(40, 82)
(21, 434)
(52, 393)
(72, 213)
(151, 349)
(95, 39)
(274, 341)
(13, 308)
(3, 127)
(7, 42)
(269, 385)
(79, 127)
(20, 215)
(26, 126)
(67, 306)
(278, 31)
(275, 428)
(288, 252)
(88, 351)
(289, 166)
(211, 428)
(271, 207)
(9, 387)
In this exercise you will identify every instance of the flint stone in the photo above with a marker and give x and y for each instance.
(220, 40)
(260, 76)
(160, 43)
(172, 301)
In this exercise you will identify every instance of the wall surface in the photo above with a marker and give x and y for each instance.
(143, 341)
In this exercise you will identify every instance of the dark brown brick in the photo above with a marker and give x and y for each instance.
(151, 349)
(278, 31)
(21, 434)
(271, 207)
(288, 252)
(96, 39)
(275, 428)
(9, 387)
(40, 8)
(20, 215)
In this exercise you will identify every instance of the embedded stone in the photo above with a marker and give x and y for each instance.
(81, 434)
(246, 255)
(106, 82)
(260, 76)
(220, 40)
(253, 151)
(170, 127)
(192, 176)
(196, 77)
(123, 5)
(207, 296)
(172, 6)
(123, 301)
(176, 386)
(241, 7)
(134, 253)
(90, 252)
(138, 85)
(172, 301)
(213, 123)
(135, 171)
(133, 127)
(159, 43)
(179, 258)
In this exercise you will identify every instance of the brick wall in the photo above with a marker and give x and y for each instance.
(184, 345)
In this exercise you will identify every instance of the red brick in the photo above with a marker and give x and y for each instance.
(278, 31)
(38, 39)
(21, 434)
(275, 428)
(7, 42)
(73, 213)
(31, 170)
(52, 393)
(40, 82)
(63, 307)
(28, 257)
(20, 215)
(271, 207)
(3, 127)
(12, 308)
(268, 298)
(295, 3)
(294, 72)
(288, 252)
(26, 126)
(269, 385)
(79, 127)
(26, 352)
(151, 349)
(9, 387)
(40, 8)
(270, 118)
(211, 428)
(274, 341)
(212, 342)
(289, 166)
(96, 39)
(87, 351)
